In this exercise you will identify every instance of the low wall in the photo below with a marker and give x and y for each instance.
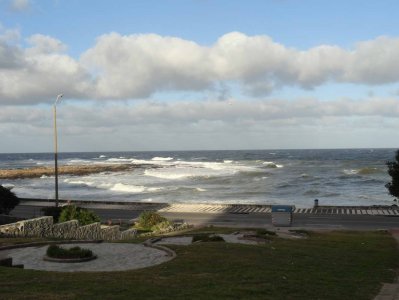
(111, 233)
(65, 230)
(128, 234)
(38, 227)
(89, 232)
(44, 227)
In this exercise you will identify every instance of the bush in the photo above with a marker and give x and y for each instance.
(163, 226)
(263, 232)
(148, 219)
(302, 232)
(8, 200)
(52, 211)
(203, 237)
(84, 216)
(56, 251)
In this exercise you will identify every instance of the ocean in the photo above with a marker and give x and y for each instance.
(334, 177)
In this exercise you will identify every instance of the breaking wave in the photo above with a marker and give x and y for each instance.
(162, 158)
(115, 187)
(363, 171)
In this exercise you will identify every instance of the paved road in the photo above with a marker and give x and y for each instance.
(247, 219)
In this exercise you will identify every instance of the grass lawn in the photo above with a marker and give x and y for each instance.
(335, 265)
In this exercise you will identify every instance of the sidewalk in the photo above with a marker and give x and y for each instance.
(390, 291)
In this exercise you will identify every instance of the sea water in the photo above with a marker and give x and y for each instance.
(334, 177)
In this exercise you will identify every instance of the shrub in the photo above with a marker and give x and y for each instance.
(262, 232)
(8, 200)
(84, 216)
(52, 211)
(56, 251)
(302, 232)
(203, 237)
(163, 226)
(148, 219)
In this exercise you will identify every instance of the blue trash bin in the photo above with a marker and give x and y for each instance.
(282, 215)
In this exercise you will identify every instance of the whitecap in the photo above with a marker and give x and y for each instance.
(118, 160)
(162, 158)
(226, 161)
(120, 187)
(8, 186)
(78, 161)
(79, 182)
(169, 173)
(150, 162)
(271, 164)
(260, 178)
(351, 172)
(154, 189)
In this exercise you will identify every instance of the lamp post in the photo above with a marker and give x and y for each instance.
(56, 149)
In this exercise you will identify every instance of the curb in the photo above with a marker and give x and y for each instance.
(34, 244)
(169, 252)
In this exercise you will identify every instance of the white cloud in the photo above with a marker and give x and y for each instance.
(37, 73)
(181, 112)
(374, 62)
(42, 45)
(138, 66)
(278, 123)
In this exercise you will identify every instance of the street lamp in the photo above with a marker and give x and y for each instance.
(56, 149)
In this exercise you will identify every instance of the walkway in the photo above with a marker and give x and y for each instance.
(228, 208)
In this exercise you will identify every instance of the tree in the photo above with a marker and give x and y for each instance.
(8, 200)
(393, 171)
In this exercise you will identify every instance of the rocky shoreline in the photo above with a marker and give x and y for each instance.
(79, 170)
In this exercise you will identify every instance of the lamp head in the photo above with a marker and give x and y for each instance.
(58, 98)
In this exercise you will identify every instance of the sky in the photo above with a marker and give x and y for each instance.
(198, 74)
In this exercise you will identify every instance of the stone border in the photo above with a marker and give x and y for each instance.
(137, 257)
(44, 243)
(151, 244)
(69, 260)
